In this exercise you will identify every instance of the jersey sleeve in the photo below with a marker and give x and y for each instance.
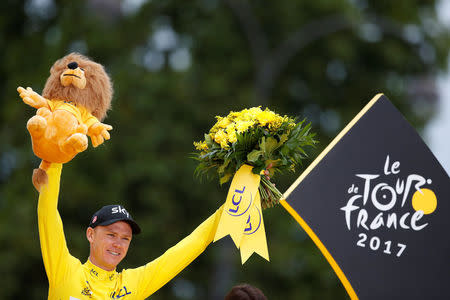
(152, 276)
(55, 254)
(51, 105)
(87, 117)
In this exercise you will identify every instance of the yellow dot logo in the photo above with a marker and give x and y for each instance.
(424, 200)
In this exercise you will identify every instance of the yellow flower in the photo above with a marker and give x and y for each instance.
(242, 126)
(254, 111)
(225, 131)
(221, 138)
(231, 133)
(231, 136)
(233, 115)
(276, 122)
(265, 117)
(222, 122)
(202, 146)
(230, 127)
(291, 123)
(213, 130)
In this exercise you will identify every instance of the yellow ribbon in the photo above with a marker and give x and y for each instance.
(254, 238)
(242, 215)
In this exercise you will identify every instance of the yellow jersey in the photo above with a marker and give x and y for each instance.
(81, 114)
(69, 279)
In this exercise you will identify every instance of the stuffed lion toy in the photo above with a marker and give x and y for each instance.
(76, 96)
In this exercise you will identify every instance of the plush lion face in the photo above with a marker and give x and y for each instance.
(78, 79)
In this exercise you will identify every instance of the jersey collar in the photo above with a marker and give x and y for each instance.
(97, 272)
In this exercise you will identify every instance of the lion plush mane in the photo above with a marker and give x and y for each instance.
(95, 97)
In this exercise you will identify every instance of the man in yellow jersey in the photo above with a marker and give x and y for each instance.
(109, 235)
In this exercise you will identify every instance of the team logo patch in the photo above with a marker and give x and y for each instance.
(86, 291)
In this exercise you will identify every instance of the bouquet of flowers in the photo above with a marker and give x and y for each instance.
(268, 142)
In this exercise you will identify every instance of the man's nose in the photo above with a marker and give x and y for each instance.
(118, 244)
(73, 65)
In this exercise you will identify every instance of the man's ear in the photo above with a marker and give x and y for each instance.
(90, 234)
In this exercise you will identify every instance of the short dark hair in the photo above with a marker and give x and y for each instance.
(245, 292)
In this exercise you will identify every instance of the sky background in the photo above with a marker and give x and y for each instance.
(437, 132)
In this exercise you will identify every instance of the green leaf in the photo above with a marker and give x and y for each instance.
(269, 146)
(225, 178)
(254, 155)
(208, 139)
(258, 167)
(222, 168)
(283, 139)
(284, 150)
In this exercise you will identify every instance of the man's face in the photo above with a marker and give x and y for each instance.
(109, 244)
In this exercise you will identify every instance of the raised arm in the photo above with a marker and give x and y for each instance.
(154, 275)
(55, 254)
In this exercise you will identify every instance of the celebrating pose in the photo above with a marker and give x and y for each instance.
(109, 234)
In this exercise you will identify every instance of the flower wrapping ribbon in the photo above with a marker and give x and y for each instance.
(242, 216)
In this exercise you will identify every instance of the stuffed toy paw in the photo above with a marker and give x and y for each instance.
(99, 133)
(75, 99)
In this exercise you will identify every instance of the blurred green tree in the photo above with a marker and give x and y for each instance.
(175, 65)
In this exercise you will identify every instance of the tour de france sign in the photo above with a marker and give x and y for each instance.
(377, 204)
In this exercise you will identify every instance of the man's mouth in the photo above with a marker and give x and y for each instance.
(113, 253)
(72, 75)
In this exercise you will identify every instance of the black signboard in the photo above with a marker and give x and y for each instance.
(377, 204)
